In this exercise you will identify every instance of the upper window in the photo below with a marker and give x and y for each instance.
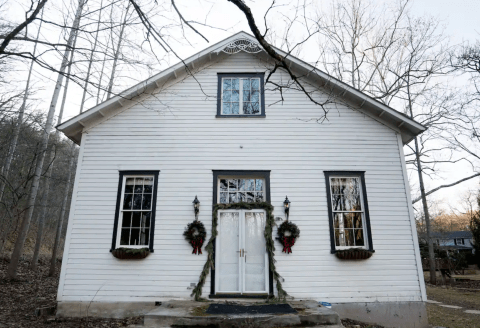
(460, 241)
(348, 210)
(240, 95)
(135, 214)
(241, 190)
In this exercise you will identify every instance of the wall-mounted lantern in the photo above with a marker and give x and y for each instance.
(286, 205)
(196, 207)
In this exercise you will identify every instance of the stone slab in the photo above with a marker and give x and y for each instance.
(472, 311)
(450, 306)
(433, 302)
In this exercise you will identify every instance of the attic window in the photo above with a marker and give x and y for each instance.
(240, 95)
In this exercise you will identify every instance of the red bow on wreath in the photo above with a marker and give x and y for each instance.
(197, 246)
(288, 242)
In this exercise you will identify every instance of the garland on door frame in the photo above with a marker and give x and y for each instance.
(282, 294)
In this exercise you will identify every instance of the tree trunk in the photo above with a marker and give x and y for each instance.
(431, 253)
(117, 53)
(58, 234)
(41, 218)
(91, 58)
(20, 242)
(16, 131)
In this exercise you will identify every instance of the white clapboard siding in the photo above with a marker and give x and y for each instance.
(176, 132)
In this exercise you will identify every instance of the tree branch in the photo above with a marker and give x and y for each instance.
(445, 186)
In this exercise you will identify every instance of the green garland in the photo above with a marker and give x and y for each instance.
(270, 222)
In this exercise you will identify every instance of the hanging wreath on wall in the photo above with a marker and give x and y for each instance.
(195, 234)
(287, 233)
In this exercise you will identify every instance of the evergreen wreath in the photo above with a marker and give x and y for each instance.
(282, 294)
(195, 234)
(288, 241)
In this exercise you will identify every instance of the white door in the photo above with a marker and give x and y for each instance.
(241, 261)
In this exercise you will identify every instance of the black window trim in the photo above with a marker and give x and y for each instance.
(361, 175)
(154, 205)
(264, 174)
(219, 95)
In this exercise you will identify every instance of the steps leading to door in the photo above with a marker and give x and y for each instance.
(191, 314)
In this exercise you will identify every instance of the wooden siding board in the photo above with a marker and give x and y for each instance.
(186, 142)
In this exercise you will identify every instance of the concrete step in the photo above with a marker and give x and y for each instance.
(184, 315)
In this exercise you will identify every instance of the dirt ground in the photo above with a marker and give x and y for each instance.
(20, 298)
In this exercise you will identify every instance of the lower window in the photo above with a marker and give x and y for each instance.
(348, 210)
(135, 212)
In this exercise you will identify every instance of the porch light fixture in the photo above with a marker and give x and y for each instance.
(196, 207)
(286, 205)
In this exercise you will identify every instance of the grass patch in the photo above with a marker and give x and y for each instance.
(451, 296)
(200, 311)
(451, 318)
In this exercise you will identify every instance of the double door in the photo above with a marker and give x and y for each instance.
(241, 260)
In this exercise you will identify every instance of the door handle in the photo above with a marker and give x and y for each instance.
(240, 252)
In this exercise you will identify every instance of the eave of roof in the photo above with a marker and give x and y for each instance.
(407, 127)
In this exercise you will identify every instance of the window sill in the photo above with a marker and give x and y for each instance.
(240, 116)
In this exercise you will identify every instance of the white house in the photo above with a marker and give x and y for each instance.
(210, 128)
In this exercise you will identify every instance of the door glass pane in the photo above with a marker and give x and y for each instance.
(254, 252)
(228, 256)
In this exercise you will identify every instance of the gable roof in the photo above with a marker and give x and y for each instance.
(382, 113)
(452, 234)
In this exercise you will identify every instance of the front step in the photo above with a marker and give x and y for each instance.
(190, 314)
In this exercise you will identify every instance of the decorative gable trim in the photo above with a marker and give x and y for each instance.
(242, 44)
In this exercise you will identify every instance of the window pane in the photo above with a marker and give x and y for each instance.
(336, 220)
(250, 184)
(223, 197)
(127, 202)
(357, 220)
(227, 84)
(235, 84)
(259, 185)
(259, 197)
(235, 96)
(226, 108)
(137, 201)
(255, 107)
(126, 220)
(223, 184)
(337, 237)
(148, 185)
(247, 108)
(232, 197)
(145, 220)
(241, 184)
(250, 197)
(227, 96)
(135, 236)
(338, 203)
(255, 84)
(246, 84)
(124, 238)
(349, 237)
(352, 202)
(347, 220)
(359, 241)
(246, 95)
(255, 96)
(129, 185)
(138, 185)
(242, 197)
(147, 202)
(136, 219)
(235, 109)
(352, 186)
(144, 236)
(233, 184)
